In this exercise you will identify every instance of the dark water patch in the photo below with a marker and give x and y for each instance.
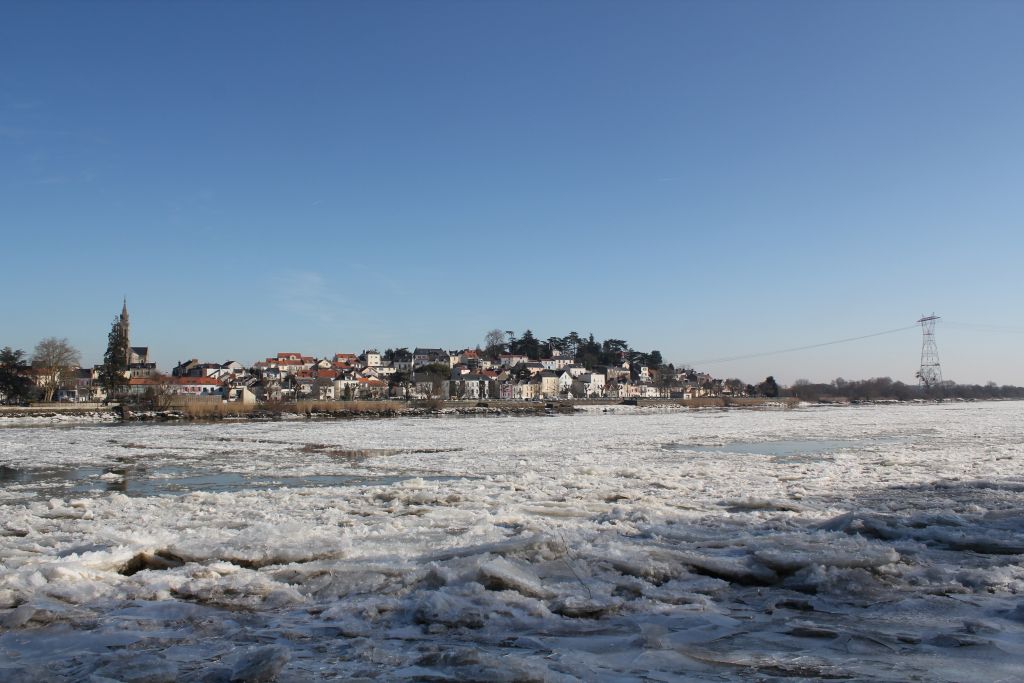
(340, 452)
(140, 482)
(785, 448)
(778, 448)
(18, 475)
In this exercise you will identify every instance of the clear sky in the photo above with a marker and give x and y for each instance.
(705, 178)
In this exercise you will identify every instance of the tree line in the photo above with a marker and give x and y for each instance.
(54, 363)
(885, 389)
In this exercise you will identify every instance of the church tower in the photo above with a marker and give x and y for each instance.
(125, 328)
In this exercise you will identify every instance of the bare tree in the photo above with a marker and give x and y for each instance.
(494, 343)
(159, 394)
(55, 361)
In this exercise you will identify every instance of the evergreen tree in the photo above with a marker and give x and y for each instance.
(15, 384)
(528, 345)
(115, 361)
(769, 387)
(572, 344)
(589, 352)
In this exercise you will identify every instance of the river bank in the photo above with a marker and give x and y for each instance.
(70, 413)
(303, 410)
(325, 410)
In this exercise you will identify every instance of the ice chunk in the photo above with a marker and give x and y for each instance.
(578, 607)
(751, 504)
(447, 609)
(744, 569)
(18, 617)
(260, 664)
(138, 668)
(790, 560)
(500, 574)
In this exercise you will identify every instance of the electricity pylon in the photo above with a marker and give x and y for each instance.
(930, 373)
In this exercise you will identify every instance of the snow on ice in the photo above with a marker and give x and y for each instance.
(880, 543)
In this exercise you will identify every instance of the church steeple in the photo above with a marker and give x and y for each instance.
(126, 329)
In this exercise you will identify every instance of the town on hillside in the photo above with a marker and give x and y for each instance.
(505, 367)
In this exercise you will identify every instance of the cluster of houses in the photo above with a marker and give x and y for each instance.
(424, 373)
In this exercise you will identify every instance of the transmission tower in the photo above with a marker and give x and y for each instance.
(930, 373)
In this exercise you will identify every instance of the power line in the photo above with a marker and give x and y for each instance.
(978, 327)
(727, 359)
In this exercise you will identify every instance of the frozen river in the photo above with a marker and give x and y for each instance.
(882, 543)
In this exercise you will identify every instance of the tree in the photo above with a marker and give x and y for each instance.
(666, 375)
(611, 346)
(528, 345)
(572, 344)
(114, 377)
(494, 343)
(520, 372)
(400, 354)
(735, 386)
(159, 394)
(805, 391)
(589, 352)
(15, 384)
(442, 370)
(398, 384)
(56, 360)
(769, 387)
(634, 358)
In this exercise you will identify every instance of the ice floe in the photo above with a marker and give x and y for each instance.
(874, 542)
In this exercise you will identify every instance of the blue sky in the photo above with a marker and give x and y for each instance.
(708, 179)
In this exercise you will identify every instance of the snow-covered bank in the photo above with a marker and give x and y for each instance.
(866, 542)
(29, 418)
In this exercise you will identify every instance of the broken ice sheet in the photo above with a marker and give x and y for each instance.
(568, 548)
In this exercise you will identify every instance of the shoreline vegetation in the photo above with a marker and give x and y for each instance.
(328, 410)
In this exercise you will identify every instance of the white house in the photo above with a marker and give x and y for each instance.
(575, 370)
(651, 391)
(523, 390)
(565, 380)
(622, 389)
(588, 385)
(345, 387)
(234, 367)
(556, 362)
(508, 360)
(467, 387)
(548, 384)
